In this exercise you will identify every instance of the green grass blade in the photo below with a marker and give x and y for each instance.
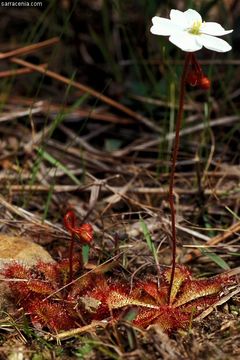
(46, 156)
(85, 253)
(215, 258)
(232, 212)
(148, 239)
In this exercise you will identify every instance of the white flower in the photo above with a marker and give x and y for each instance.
(187, 31)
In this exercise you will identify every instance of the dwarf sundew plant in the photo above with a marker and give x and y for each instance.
(187, 31)
(54, 303)
(64, 295)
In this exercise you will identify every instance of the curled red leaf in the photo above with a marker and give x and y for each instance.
(83, 232)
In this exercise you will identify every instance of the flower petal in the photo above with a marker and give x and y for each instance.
(191, 16)
(178, 18)
(213, 28)
(185, 41)
(162, 26)
(214, 43)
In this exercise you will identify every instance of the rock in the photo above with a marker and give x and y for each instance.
(14, 248)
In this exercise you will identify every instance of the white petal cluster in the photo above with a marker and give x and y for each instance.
(187, 31)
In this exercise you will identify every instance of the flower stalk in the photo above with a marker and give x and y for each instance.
(83, 233)
(190, 33)
(69, 222)
(188, 60)
(193, 75)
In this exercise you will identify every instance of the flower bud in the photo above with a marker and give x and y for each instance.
(192, 78)
(84, 233)
(204, 83)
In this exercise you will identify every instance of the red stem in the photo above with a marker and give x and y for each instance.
(71, 259)
(69, 221)
(188, 60)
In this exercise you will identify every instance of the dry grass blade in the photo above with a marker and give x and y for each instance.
(29, 216)
(191, 232)
(86, 112)
(226, 234)
(214, 241)
(43, 188)
(29, 48)
(170, 136)
(113, 199)
(71, 333)
(16, 72)
(222, 301)
(86, 89)
(20, 113)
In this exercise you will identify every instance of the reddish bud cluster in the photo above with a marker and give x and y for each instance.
(84, 232)
(204, 83)
(195, 76)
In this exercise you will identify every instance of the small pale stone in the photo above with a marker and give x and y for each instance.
(13, 248)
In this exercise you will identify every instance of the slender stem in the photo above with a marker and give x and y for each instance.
(71, 259)
(173, 168)
(70, 225)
